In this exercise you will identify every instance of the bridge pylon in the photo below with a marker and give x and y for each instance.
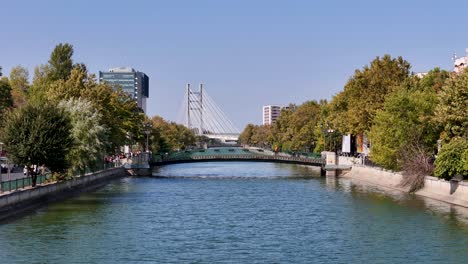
(205, 118)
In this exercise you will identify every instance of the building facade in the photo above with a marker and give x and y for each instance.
(134, 83)
(459, 64)
(271, 113)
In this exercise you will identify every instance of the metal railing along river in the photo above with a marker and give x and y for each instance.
(23, 182)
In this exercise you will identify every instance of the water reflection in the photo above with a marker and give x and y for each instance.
(457, 215)
(243, 170)
(239, 213)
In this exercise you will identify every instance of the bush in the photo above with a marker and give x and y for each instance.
(452, 159)
(417, 163)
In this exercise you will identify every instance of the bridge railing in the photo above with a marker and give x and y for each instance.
(241, 157)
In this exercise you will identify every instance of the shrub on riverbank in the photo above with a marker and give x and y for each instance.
(452, 159)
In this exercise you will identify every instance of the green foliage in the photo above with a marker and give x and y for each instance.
(435, 79)
(40, 85)
(326, 137)
(88, 134)
(6, 100)
(452, 159)
(245, 137)
(294, 130)
(170, 136)
(353, 109)
(121, 116)
(19, 80)
(404, 122)
(451, 111)
(37, 135)
(259, 136)
(61, 62)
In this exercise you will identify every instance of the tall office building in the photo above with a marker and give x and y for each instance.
(270, 114)
(135, 83)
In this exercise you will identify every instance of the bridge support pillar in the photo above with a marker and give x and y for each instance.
(330, 161)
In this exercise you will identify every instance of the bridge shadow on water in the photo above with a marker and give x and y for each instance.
(236, 170)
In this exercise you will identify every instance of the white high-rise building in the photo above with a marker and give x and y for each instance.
(270, 114)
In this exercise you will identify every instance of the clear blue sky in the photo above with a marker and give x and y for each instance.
(247, 53)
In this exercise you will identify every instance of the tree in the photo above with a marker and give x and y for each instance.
(303, 122)
(294, 129)
(245, 137)
(281, 130)
(435, 79)
(38, 135)
(88, 133)
(121, 116)
(353, 109)
(451, 112)
(261, 136)
(40, 85)
(171, 136)
(19, 81)
(61, 63)
(404, 123)
(6, 101)
(19, 78)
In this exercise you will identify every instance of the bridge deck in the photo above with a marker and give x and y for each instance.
(233, 154)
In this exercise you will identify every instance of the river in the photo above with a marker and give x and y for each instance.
(238, 212)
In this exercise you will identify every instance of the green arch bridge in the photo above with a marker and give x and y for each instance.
(233, 154)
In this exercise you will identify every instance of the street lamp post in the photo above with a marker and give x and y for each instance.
(330, 131)
(147, 132)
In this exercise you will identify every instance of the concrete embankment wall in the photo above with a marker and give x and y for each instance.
(447, 191)
(18, 201)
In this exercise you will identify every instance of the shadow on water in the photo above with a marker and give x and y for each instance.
(236, 170)
(387, 197)
(72, 204)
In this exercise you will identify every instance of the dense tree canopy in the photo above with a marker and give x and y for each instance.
(406, 122)
(19, 81)
(101, 119)
(61, 62)
(169, 136)
(38, 135)
(354, 108)
(254, 135)
(403, 123)
(293, 131)
(121, 116)
(88, 133)
(6, 100)
(452, 110)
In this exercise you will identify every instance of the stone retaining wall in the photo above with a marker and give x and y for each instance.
(447, 191)
(15, 202)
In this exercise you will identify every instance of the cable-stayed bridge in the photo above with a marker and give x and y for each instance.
(203, 116)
